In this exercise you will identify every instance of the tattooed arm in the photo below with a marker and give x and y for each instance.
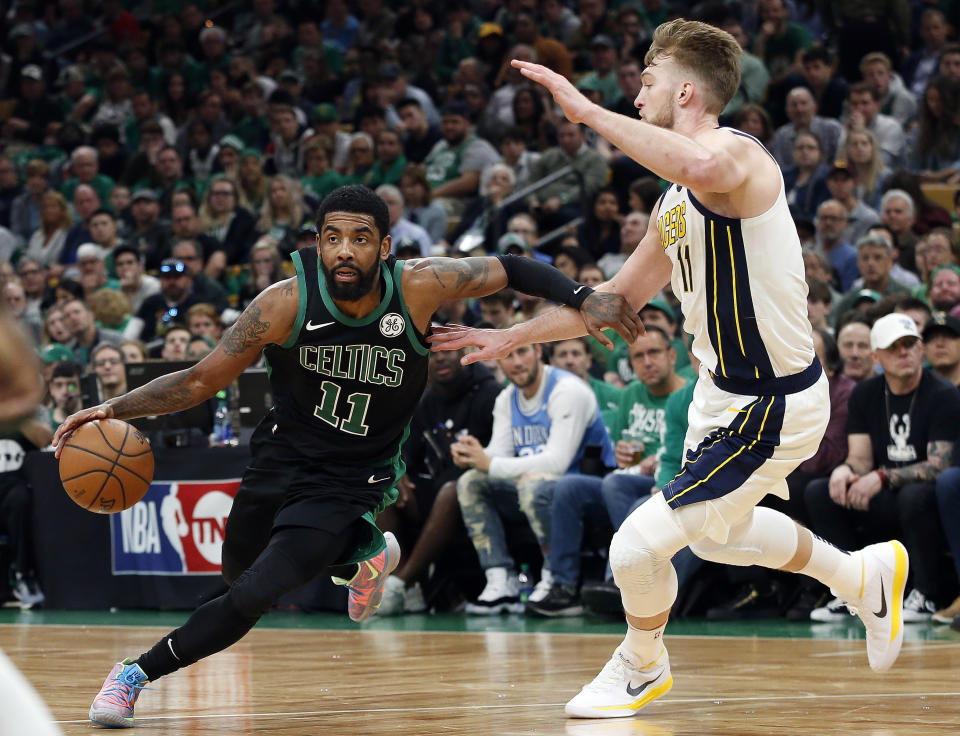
(431, 281)
(938, 458)
(268, 319)
(643, 275)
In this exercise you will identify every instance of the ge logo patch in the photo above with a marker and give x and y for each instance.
(391, 325)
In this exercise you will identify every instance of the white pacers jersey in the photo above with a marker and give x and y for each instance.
(741, 286)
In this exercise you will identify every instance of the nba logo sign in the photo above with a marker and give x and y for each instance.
(176, 529)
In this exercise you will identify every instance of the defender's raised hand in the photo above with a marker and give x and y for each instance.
(573, 103)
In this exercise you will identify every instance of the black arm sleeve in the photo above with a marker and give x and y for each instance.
(539, 279)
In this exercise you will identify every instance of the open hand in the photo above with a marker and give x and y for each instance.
(491, 344)
(571, 101)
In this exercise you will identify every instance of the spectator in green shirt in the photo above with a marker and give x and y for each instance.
(85, 169)
(657, 313)
(574, 355)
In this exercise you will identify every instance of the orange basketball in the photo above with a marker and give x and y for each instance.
(106, 466)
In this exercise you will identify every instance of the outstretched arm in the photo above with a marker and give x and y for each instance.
(697, 164)
(429, 282)
(643, 275)
(268, 319)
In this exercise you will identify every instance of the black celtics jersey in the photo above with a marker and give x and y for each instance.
(345, 389)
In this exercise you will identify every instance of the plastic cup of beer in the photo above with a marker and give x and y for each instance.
(635, 440)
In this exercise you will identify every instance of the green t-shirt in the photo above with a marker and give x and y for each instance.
(780, 51)
(608, 400)
(643, 414)
(377, 176)
(443, 163)
(320, 186)
(101, 183)
(675, 423)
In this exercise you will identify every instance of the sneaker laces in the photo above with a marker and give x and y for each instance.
(613, 673)
(123, 690)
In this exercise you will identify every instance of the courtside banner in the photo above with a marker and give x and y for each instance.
(176, 529)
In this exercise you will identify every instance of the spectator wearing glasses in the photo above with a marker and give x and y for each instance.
(109, 365)
(134, 283)
(231, 226)
(171, 304)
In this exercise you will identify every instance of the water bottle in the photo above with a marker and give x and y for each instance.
(525, 584)
(222, 422)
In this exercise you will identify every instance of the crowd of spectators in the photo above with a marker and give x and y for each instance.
(160, 161)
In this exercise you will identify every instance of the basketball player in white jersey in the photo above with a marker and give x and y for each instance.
(723, 236)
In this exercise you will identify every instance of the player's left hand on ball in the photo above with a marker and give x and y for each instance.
(601, 310)
(73, 422)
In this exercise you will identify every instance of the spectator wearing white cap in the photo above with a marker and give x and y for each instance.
(901, 428)
(35, 109)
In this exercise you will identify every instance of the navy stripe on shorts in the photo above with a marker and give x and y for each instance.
(727, 457)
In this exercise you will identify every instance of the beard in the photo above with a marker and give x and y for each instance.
(350, 292)
(664, 119)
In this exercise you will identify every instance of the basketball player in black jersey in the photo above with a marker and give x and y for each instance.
(345, 344)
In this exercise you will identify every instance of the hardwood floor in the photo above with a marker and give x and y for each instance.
(298, 683)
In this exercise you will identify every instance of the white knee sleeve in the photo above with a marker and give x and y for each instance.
(765, 537)
(640, 555)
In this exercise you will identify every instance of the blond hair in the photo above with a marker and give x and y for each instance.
(710, 53)
(869, 173)
(109, 307)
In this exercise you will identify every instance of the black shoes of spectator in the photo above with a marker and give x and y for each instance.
(561, 600)
(602, 599)
(753, 600)
(809, 598)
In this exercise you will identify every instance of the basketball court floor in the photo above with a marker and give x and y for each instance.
(300, 675)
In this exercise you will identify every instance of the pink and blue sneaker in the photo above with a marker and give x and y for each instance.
(366, 587)
(113, 706)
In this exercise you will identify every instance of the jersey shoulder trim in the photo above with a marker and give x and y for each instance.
(412, 334)
(752, 138)
(302, 299)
